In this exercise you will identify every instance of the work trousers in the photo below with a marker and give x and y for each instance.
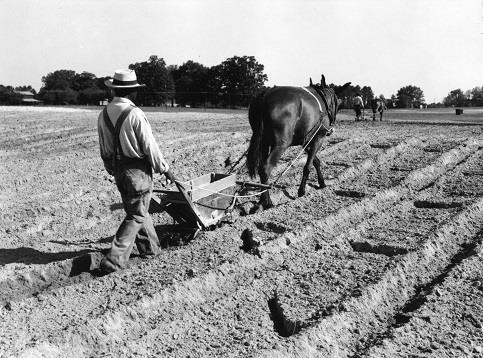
(134, 181)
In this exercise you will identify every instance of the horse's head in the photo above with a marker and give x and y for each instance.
(336, 99)
(328, 96)
(332, 103)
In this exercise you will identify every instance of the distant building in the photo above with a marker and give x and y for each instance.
(27, 98)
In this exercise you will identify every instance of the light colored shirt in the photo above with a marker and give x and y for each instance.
(358, 101)
(136, 136)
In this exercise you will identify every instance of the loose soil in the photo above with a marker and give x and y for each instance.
(384, 262)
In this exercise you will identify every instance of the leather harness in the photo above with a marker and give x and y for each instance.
(329, 130)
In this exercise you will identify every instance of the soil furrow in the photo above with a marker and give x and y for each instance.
(332, 227)
(339, 333)
(446, 318)
(352, 213)
(336, 271)
(21, 286)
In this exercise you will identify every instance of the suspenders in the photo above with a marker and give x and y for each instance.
(115, 131)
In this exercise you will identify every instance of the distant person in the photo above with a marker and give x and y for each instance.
(378, 105)
(358, 106)
(131, 154)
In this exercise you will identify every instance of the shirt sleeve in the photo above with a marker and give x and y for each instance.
(102, 145)
(148, 144)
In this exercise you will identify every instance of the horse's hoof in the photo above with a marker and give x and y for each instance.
(254, 209)
(268, 205)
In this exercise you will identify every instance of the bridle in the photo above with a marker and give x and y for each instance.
(324, 99)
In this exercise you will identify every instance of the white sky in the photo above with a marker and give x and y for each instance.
(434, 44)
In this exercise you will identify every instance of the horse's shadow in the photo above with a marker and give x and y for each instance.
(28, 256)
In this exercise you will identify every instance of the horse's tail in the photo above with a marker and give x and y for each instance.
(255, 116)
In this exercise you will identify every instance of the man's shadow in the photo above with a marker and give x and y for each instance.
(27, 255)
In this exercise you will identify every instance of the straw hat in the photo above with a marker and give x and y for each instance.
(123, 79)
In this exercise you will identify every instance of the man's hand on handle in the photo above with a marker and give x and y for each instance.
(170, 179)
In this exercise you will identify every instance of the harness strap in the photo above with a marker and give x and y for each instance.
(313, 95)
(331, 120)
(115, 131)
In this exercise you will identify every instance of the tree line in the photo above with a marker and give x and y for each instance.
(231, 83)
(469, 98)
(10, 95)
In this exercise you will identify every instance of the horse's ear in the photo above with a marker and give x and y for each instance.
(311, 84)
(322, 82)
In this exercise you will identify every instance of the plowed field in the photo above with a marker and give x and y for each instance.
(386, 261)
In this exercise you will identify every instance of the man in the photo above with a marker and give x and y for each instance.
(358, 106)
(378, 105)
(130, 153)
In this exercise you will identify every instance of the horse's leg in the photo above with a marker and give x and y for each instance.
(311, 155)
(265, 200)
(380, 115)
(272, 160)
(320, 177)
(262, 173)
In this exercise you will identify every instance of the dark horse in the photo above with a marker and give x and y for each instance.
(281, 117)
(377, 105)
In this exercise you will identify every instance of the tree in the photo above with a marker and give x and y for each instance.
(57, 88)
(238, 79)
(159, 83)
(84, 80)
(345, 94)
(367, 94)
(477, 96)
(58, 80)
(59, 96)
(90, 90)
(455, 98)
(8, 95)
(409, 97)
(191, 83)
(92, 95)
(26, 88)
